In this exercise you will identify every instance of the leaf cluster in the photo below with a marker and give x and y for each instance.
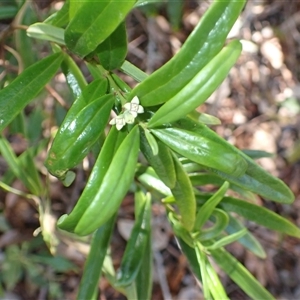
(157, 119)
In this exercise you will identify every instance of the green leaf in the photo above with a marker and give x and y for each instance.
(25, 87)
(220, 223)
(255, 154)
(57, 263)
(255, 179)
(228, 239)
(93, 23)
(191, 255)
(33, 126)
(204, 118)
(206, 40)
(77, 134)
(93, 266)
(175, 9)
(144, 2)
(248, 240)
(74, 7)
(203, 261)
(152, 142)
(11, 269)
(150, 179)
(26, 16)
(259, 181)
(8, 12)
(113, 50)
(162, 162)
(184, 196)
(177, 227)
(144, 279)
(209, 149)
(199, 88)
(215, 286)
(136, 246)
(24, 170)
(120, 83)
(46, 32)
(87, 95)
(108, 183)
(240, 275)
(61, 17)
(260, 215)
(111, 145)
(208, 207)
(74, 77)
(200, 179)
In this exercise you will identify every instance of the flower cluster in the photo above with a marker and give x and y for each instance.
(132, 109)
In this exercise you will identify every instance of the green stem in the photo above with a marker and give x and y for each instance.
(134, 72)
(76, 72)
(116, 89)
(201, 259)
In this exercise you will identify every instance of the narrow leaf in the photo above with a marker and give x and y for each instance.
(144, 280)
(240, 275)
(25, 87)
(248, 240)
(220, 219)
(191, 255)
(93, 22)
(77, 134)
(61, 17)
(105, 189)
(150, 179)
(136, 246)
(113, 50)
(46, 32)
(255, 179)
(199, 88)
(206, 40)
(18, 168)
(260, 215)
(184, 196)
(93, 266)
(208, 207)
(162, 161)
(228, 239)
(208, 150)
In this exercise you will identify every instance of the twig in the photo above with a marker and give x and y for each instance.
(57, 96)
(17, 56)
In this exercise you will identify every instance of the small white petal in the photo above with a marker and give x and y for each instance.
(112, 121)
(120, 126)
(129, 117)
(135, 100)
(119, 121)
(140, 109)
(127, 106)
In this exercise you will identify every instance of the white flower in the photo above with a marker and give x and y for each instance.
(128, 116)
(119, 121)
(133, 107)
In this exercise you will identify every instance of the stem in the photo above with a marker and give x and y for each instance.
(116, 89)
(201, 259)
(133, 71)
(76, 72)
